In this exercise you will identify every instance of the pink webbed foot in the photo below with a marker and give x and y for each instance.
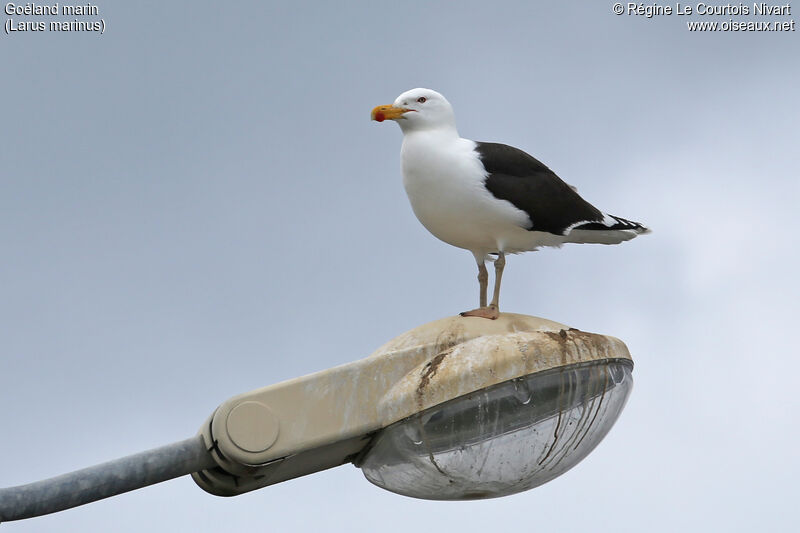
(491, 312)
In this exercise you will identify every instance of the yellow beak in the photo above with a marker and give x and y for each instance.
(390, 112)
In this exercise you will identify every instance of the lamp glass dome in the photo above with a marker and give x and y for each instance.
(504, 439)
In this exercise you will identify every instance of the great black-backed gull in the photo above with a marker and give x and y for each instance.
(488, 198)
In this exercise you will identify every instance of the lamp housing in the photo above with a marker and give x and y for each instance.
(459, 408)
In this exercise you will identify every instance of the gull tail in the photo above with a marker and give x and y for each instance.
(609, 230)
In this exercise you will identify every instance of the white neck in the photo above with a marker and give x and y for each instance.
(443, 130)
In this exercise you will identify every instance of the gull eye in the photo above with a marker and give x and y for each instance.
(422, 99)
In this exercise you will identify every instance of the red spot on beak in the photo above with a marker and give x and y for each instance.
(380, 117)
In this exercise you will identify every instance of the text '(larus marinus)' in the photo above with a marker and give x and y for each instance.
(488, 198)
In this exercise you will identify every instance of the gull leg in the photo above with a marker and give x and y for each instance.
(484, 311)
(499, 265)
(483, 283)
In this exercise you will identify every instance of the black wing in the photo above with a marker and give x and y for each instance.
(552, 205)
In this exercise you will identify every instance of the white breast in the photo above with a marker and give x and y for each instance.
(444, 180)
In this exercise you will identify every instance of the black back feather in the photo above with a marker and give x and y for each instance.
(552, 205)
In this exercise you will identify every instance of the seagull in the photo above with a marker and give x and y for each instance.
(488, 198)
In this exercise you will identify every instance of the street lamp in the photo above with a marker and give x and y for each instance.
(460, 408)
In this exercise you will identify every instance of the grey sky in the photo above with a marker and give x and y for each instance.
(195, 204)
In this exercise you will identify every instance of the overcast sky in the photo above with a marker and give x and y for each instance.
(195, 204)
